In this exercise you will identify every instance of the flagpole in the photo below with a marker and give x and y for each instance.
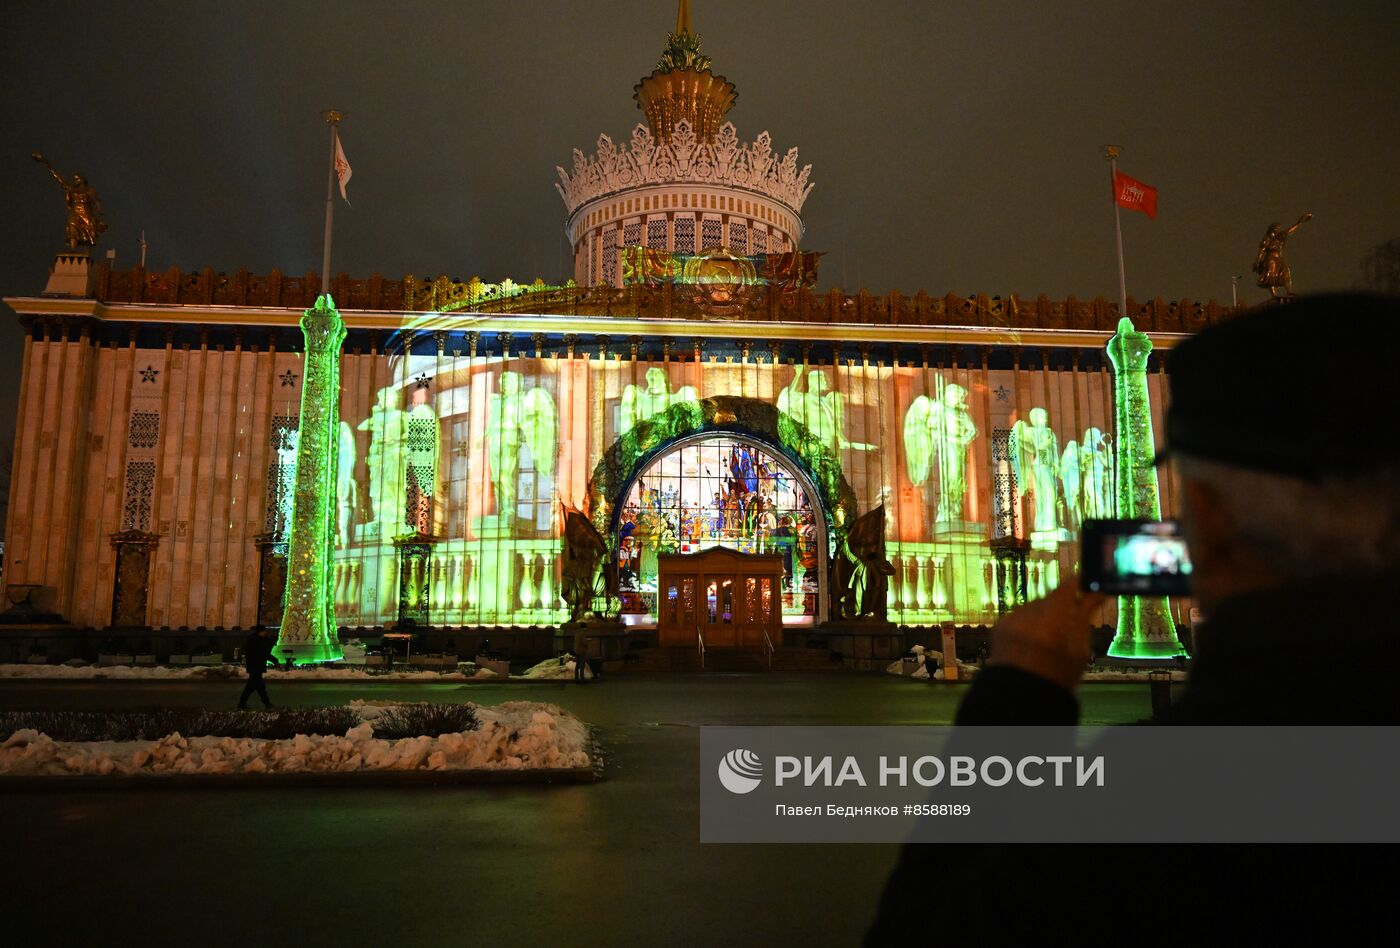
(1111, 153)
(332, 119)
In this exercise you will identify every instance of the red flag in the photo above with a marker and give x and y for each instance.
(1134, 195)
(342, 169)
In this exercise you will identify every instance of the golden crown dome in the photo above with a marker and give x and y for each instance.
(683, 87)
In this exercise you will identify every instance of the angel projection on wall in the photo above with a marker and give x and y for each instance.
(940, 430)
(515, 416)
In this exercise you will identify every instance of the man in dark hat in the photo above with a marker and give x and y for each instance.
(1289, 492)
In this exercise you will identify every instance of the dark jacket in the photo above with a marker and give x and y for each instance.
(257, 653)
(1325, 653)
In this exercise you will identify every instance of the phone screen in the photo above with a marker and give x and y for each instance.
(1135, 557)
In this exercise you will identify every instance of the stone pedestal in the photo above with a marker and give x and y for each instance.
(864, 644)
(70, 274)
(607, 640)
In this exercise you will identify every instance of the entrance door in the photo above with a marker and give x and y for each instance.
(678, 620)
(720, 609)
(760, 612)
(729, 598)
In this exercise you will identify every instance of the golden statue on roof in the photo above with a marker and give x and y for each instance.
(84, 209)
(1269, 264)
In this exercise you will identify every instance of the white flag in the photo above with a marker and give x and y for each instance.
(342, 168)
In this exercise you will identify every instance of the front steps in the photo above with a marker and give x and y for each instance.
(686, 659)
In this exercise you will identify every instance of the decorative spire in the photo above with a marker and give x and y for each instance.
(682, 87)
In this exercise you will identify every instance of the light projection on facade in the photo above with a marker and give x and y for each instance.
(449, 484)
(719, 491)
(308, 632)
(1145, 627)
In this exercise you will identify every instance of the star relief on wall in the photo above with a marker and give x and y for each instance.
(148, 374)
(1001, 392)
(289, 378)
(422, 381)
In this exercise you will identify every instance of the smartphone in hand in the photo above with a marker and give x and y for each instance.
(1134, 558)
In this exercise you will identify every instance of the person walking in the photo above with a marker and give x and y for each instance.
(257, 653)
(580, 654)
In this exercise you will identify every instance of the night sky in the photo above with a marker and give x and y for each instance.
(955, 146)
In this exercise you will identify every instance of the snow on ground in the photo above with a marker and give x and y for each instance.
(1094, 674)
(516, 735)
(323, 673)
(553, 668)
(1129, 674)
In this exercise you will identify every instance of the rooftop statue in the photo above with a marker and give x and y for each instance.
(1269, 264)
(84, 209)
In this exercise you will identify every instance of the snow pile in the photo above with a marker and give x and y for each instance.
(516, 735)
(552, 668)
(120, 671)
(1101, 674)
(922, 656)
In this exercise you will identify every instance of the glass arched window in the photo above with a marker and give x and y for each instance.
(719, 491)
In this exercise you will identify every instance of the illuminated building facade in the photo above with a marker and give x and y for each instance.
(691, 390)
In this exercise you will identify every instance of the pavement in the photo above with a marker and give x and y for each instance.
(611, 863)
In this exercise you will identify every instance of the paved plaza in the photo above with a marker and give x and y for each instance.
(616, 862)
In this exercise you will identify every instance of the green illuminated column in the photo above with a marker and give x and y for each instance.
(1145, 627)
(308, 619)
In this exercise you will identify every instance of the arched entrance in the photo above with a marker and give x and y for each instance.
(721, 491)
(790, 453)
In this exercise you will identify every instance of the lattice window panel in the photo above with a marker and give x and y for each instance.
(685, 235)
(140, 488)
(656, 233)
(1004, 487)
(422, 474)
(610, 261)
(418, 499)
(632, 234)
(711, 233)
(281, 475)
(760, 241)
(738, 237)
(592, 258)
(143, 430)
